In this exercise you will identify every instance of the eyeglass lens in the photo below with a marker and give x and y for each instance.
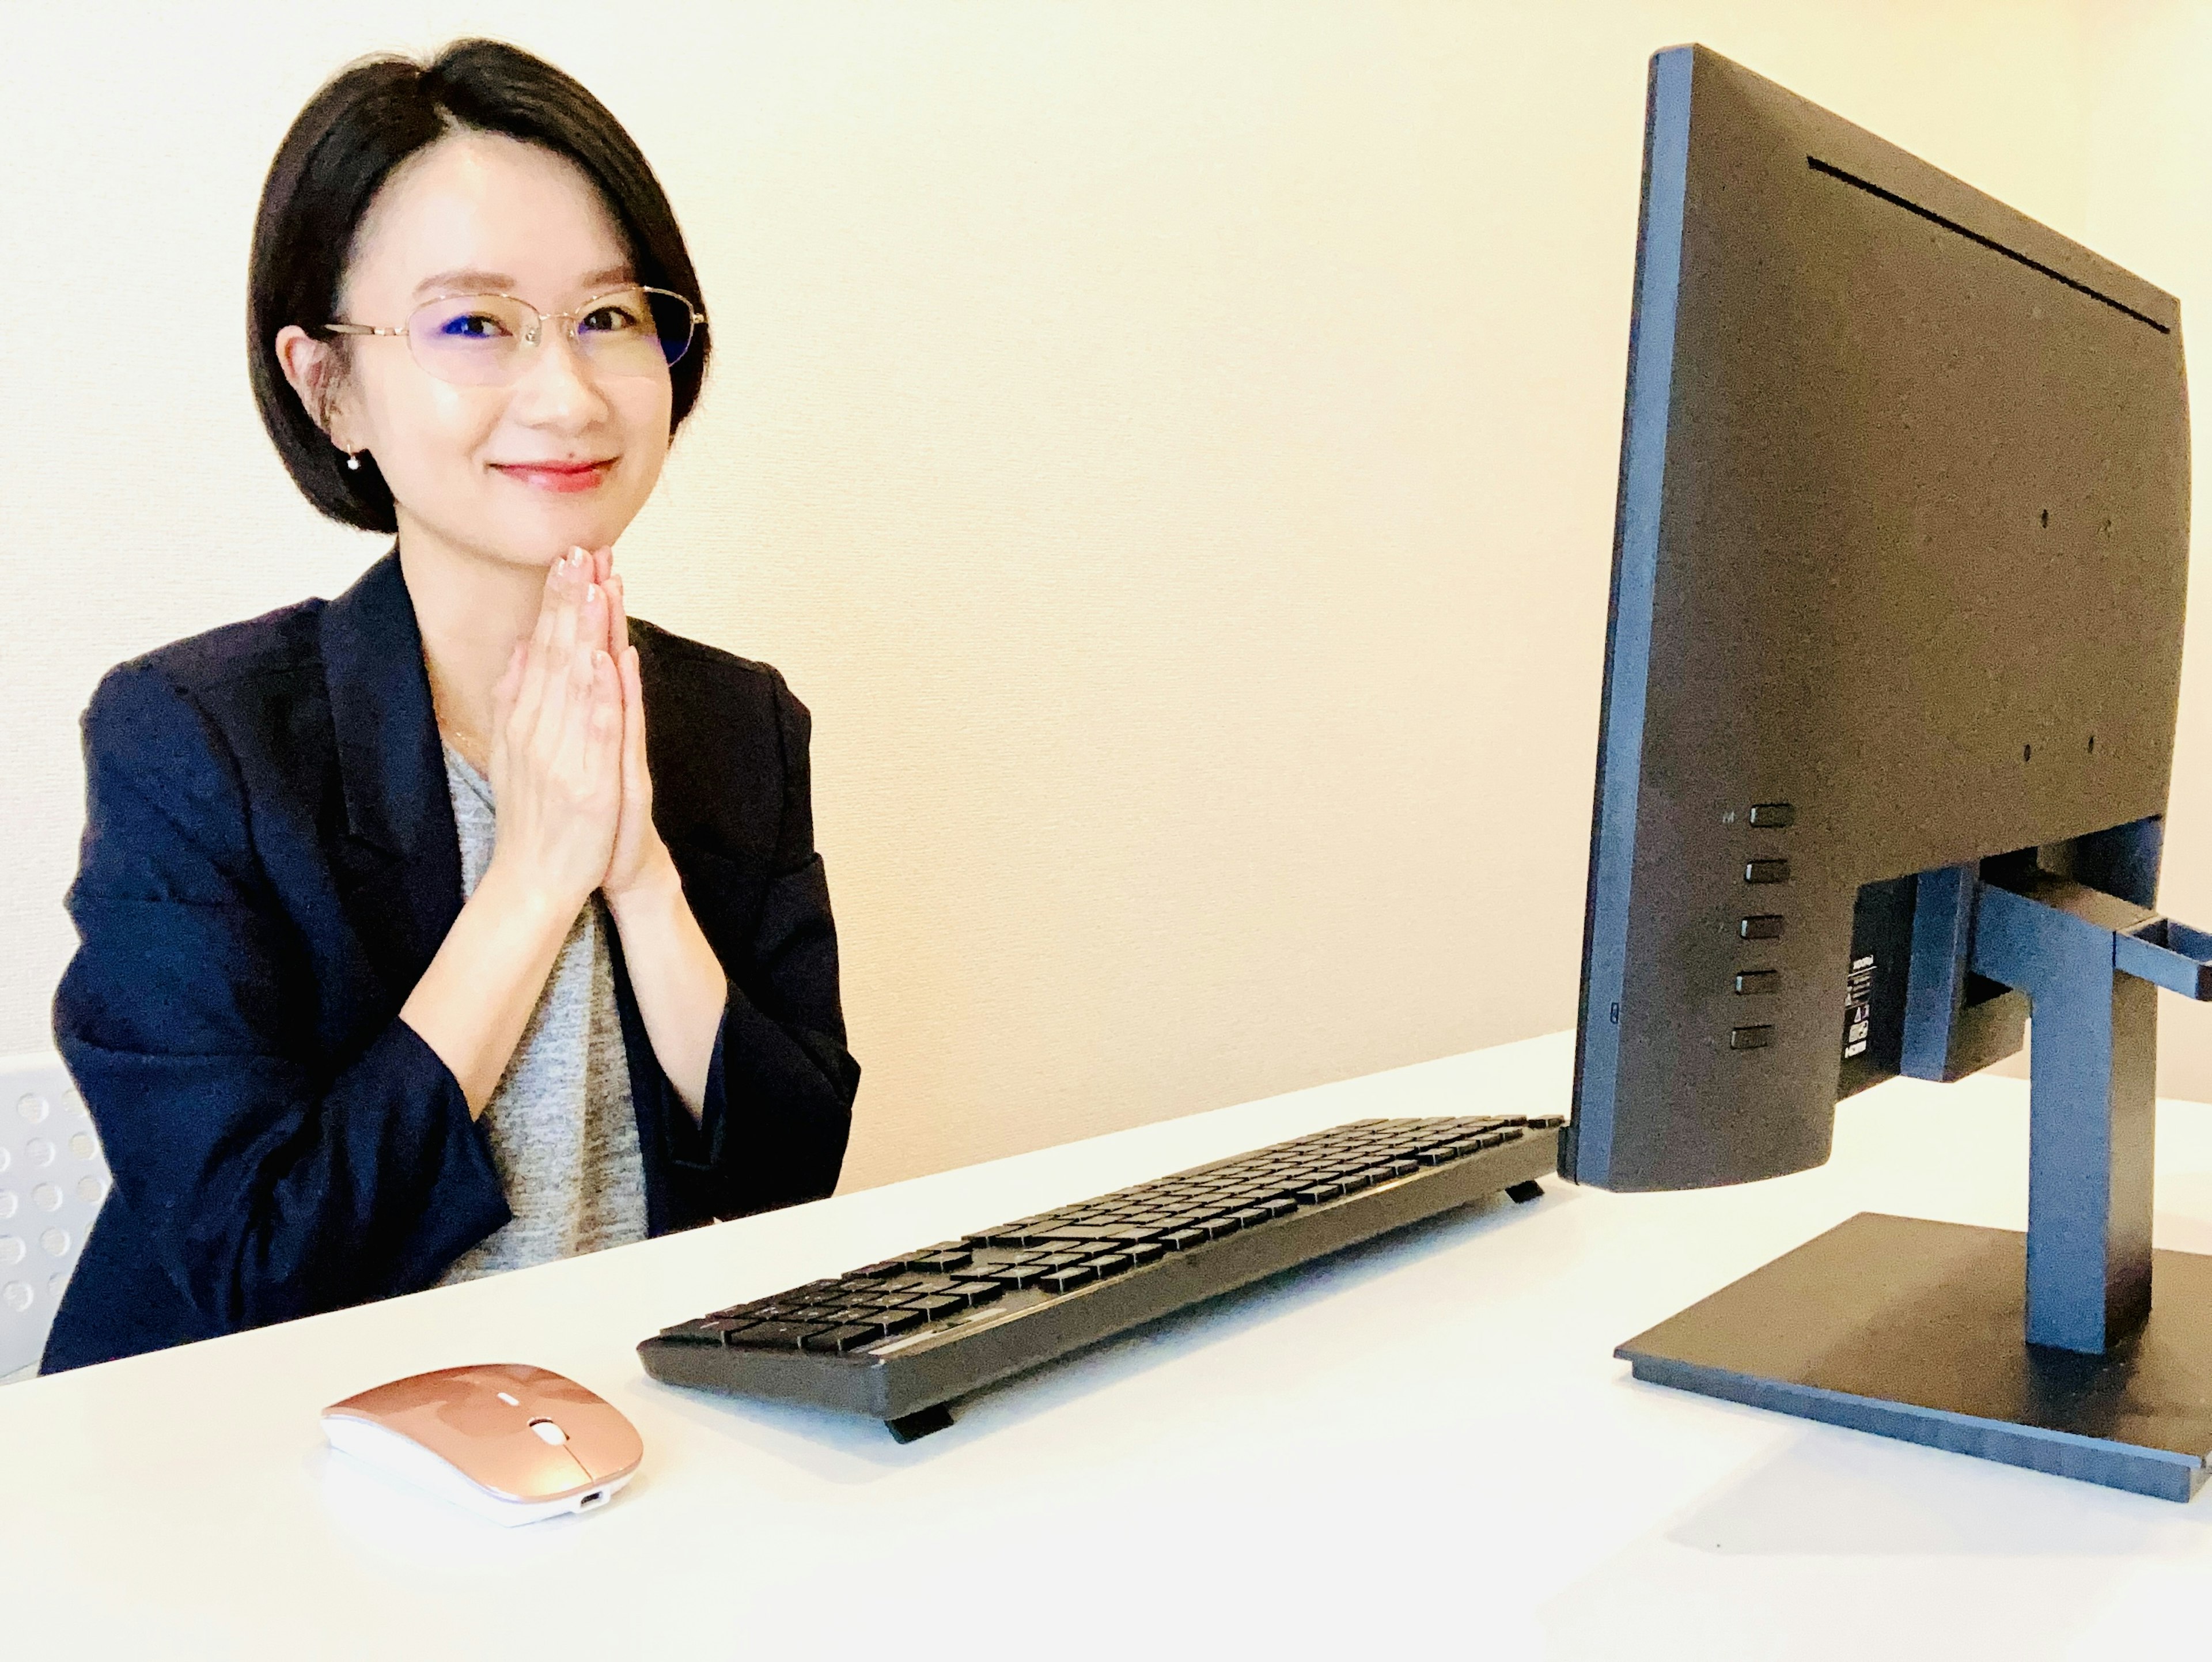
(480, 338)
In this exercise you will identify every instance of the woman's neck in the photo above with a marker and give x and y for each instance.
(471, 608)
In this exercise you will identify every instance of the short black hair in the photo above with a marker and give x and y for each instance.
(364, 121)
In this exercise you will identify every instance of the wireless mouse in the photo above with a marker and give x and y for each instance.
(510, 1442)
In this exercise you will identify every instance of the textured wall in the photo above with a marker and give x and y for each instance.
(1170, 446)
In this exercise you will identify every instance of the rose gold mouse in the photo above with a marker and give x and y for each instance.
(510, 1442)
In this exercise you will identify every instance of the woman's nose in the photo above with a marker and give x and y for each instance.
(556, 377)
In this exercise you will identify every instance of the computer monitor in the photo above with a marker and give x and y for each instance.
(1892, 674)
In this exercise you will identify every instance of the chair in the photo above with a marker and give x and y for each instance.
(52, 1179)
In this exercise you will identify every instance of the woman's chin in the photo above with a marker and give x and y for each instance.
(554, 532)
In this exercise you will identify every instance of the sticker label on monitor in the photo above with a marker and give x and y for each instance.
(1858, 1007)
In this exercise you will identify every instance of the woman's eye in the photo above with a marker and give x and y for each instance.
(609, 320)
(472, 325)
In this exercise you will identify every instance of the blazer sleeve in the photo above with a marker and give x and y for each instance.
(779, 1087)
(270, 1186)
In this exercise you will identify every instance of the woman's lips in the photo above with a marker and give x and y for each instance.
(555, 476)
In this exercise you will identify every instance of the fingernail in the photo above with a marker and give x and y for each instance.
(591, 594)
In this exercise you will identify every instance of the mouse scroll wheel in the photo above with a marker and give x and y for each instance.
(548, 1433)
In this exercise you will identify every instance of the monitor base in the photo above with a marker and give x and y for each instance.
(1911, 1329)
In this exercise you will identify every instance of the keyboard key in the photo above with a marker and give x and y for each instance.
(1106, 1264)
(888, 1267)
(772, 1335)
(1252, 1215)
(1143, 1252)
(1067, 1278)
(937, 1263)
(976, 1293)
(839, 1340)
(705, 1331)
(1128, 1235)
(1317, 1194)
(898, 1321)
(1018, 1274)
(1182, 1240)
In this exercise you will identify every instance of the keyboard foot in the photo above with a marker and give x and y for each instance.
(920, 1423)
(1522, 1193)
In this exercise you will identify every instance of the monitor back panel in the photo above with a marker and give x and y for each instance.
(1900, 560)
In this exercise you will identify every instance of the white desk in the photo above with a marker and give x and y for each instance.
(1423, 1447)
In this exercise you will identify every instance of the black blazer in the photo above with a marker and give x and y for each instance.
(270, 862)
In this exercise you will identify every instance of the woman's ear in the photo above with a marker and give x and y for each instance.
(313, 369)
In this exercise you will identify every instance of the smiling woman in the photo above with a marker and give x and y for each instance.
(410, 950)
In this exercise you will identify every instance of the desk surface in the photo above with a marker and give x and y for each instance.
(1427, 1439)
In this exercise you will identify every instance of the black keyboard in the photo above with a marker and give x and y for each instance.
(898, 1340)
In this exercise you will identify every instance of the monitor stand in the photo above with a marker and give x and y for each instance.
(2042, 1350)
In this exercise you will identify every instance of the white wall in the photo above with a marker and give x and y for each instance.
(2150, 105)
(1170, 446)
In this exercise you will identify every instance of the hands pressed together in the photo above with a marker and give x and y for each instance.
(567, 763)
(574, 802)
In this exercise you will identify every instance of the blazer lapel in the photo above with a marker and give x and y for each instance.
(398, 861)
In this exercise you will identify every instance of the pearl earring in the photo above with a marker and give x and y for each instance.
(353, 461)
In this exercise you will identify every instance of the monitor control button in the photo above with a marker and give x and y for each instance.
(1766, 871)
(1752, 983)
(1760, 928)
(1773, 816)
(1750, 1039)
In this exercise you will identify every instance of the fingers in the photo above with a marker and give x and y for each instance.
(617, 616)
(576, 639)
(603, 735)
(556, 681)
(537, 666)
(617, 609)
(633, 701)
(579, 619)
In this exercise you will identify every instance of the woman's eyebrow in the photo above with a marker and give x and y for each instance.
(465, 280)
(468, 280)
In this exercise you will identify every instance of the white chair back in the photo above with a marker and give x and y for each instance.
(52, 1179)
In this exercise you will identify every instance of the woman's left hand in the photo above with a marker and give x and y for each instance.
(640, 861)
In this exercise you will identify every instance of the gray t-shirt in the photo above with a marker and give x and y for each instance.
(563, 1131)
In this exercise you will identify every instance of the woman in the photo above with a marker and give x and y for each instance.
(410, 949)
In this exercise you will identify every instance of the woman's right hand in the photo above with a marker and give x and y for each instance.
(556, 744)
